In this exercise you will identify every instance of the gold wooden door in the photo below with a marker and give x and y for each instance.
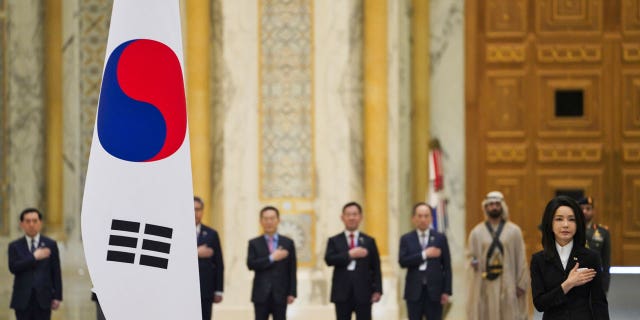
(553, 107)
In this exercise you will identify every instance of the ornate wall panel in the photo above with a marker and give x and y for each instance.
(631, 52)
(94, 30)
(506, 153)
(506, 104)
(631, 152)
(575, 76)
(631, 103)
(511, 183)
(630, 17)
(590, 124)
(631, 203)
(567, 53)
(510, 18)
(555, 17)
(506, 53)
(286, 99)
(552, 180)
(574, 153)
(286, 116)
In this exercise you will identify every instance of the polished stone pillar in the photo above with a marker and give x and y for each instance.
(376, 121)
(197, 73)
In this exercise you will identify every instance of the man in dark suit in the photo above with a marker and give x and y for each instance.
(598, 239)
(357, 279)
(210, 263)
(425, 254)
(35, 262)
(273, 258)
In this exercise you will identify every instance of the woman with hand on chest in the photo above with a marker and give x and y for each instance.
(565, 276)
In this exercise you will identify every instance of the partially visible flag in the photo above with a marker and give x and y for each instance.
(138, 227)
(437, 200)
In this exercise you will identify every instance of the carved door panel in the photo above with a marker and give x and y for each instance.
(553, 107)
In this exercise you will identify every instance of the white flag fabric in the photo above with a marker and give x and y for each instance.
(138, 224)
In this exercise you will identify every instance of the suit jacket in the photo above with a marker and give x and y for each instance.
(211, 269)
(584, 302)
(278, 277)
(599, 240)
(364, 280)
(43, 276)
(438, 272)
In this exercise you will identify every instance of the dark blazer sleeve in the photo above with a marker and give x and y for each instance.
(406, 257)
(293, 265)
(219, 263)
(18, 263)
(599, 303)
(606, 260)
(56, 275)
(334, 257)
(375, 268)
(543, 300)
(255, 261)
(446, 266)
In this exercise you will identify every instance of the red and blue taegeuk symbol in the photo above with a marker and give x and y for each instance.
(142, 114)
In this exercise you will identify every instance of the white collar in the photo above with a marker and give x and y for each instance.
(36, 238)
(356, 234)
(426, 232)
(198, 228)
(564, 252)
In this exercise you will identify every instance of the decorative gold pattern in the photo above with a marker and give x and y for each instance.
(286, 99)
(631, 52)
(510, 21)
(506, 53)
(94, 30)
(575, 153)
(631, 152)
(569, 53)
(506, 153)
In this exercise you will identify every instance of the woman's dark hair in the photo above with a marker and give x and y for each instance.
(548, 238)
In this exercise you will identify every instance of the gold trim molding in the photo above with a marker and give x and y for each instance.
(575, 153)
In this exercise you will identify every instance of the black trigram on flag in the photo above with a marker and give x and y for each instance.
(130, 240)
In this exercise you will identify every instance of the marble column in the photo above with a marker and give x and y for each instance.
(25, 109)
(447, 124)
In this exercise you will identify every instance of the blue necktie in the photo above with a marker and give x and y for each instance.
(33, 245)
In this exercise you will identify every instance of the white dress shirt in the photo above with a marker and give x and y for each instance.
(564, 253)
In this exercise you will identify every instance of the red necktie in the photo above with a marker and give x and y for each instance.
(351, 243)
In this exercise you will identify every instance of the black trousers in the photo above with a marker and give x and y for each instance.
(263, 310)
(33, 310)
(206, 304)
(345, 309)
(424, 307)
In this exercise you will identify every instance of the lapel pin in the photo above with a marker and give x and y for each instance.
(575, 258)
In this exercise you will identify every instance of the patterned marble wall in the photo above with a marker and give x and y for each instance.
(447, 124)
(3, 117)
(25, 108)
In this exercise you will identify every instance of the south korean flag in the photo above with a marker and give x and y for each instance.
(138, 225)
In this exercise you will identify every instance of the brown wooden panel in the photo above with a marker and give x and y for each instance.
(506, 53)
(573, 153)
(631, 254)
(505, 104)
(631, 103)
(569, 17)
(631, 52)
(509, 18)
(590, 124)
(631, 203)
(506, 153)
(570, 53)
(630, 14)
(551, 180)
